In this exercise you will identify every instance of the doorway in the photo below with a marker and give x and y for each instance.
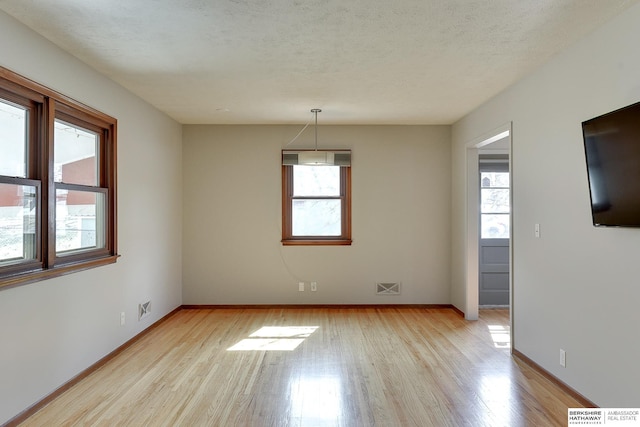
(493, 246)
(497, 141)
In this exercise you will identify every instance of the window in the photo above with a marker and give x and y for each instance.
(494, 202)
(316, 202)
(57, 183)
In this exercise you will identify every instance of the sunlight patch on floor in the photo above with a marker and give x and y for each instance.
(500, 335)
(274, 338)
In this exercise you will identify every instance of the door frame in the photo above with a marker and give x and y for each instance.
(473, 149)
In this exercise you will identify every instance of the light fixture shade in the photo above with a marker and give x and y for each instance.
(317, 158)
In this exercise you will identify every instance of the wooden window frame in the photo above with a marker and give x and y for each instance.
(45, 106)
(288, 239)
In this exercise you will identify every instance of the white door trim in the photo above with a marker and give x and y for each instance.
(473, 217)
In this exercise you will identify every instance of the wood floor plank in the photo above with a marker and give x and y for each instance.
(351, 367)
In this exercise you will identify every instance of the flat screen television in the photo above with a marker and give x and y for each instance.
(612, 151)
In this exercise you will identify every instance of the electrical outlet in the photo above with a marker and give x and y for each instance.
(314, 286)
(122, 318)
(563, 358)
(301, 286)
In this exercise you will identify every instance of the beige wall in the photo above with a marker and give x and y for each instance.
(576, 287)
(204, 220)
(232, 223)
(54, 329)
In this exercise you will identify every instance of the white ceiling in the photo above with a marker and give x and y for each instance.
(271, 61)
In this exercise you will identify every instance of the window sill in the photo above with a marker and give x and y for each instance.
(317, 242)
(37, 276)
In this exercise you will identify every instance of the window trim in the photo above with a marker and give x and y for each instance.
(288, 239)
(47, 105)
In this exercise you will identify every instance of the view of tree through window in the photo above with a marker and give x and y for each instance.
(316, 204)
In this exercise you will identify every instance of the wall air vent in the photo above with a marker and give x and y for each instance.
(144, 310)
(387, 288)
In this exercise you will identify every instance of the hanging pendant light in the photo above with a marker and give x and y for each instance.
(317, 157)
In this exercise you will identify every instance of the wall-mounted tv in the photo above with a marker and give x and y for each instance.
(612, 150)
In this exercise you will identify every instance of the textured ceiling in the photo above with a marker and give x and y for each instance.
(271, 61)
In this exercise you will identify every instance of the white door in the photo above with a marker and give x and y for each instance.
(494, 231)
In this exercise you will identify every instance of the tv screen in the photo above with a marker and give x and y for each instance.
(612, 150)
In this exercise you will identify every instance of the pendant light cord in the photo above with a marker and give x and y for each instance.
(315, 126)
(315, 111)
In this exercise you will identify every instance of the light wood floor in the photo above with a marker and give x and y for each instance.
(351, 367)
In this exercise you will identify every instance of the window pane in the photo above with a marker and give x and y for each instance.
(80, 220)
(17, 223)
(494, 226)
(75, 159)
(494, 200)
(316, 218)
(13, 140)
(494, 179)
(316, 180)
